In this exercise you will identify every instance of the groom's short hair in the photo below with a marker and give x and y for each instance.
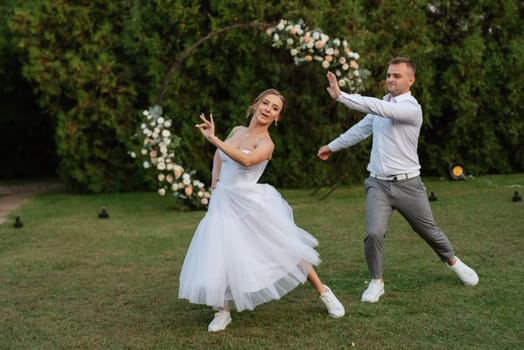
(411, 65)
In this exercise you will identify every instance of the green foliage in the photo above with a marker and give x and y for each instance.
(27, 149)
(73, 59)
(94, 66)
(475, 117)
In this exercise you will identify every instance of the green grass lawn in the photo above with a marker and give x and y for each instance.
(69, 280)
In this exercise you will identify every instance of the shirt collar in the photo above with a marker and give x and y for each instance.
(398, 98)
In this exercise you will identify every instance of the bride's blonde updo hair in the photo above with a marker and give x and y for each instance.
(251, 109)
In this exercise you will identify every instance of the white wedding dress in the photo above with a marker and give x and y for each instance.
(247, 249)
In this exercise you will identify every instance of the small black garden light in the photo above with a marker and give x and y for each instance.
(18, 222)
(103, 214)
(432, 197)
(516, 197)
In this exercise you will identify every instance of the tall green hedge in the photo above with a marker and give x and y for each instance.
(27, 147)
(94, 65)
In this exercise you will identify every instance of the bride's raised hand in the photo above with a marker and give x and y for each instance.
(207, 127)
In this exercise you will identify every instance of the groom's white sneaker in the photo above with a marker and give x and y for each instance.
(374, 292)
(465, 273)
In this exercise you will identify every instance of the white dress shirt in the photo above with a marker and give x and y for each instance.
(395, 124)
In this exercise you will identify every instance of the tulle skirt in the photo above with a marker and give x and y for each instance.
(247, 250)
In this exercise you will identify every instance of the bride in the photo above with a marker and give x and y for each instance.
(247, 250)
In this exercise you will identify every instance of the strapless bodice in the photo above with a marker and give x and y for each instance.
(232, 173)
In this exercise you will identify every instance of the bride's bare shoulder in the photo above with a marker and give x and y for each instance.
(236, 130)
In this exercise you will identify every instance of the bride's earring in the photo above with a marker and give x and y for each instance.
(276, 122)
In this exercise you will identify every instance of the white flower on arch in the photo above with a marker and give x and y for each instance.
(306, 45)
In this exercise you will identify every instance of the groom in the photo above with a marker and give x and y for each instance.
(394, 182)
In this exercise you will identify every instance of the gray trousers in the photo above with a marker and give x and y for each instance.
(410, 199)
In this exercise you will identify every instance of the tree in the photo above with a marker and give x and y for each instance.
(94, 66)
(28, 147)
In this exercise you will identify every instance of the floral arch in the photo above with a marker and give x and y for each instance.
(158, 143)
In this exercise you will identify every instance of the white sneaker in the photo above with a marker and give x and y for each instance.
(465, 273)
(374, 292)
(220, 322)
(334, 307)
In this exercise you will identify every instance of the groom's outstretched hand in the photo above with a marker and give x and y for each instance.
(324, 152)
(333, 89)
